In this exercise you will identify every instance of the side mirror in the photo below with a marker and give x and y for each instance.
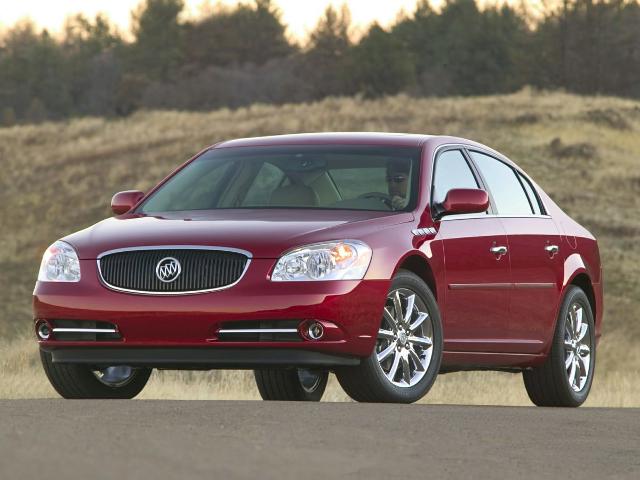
(464, 200)
(122, 202)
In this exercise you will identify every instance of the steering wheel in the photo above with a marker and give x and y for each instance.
(383, 197)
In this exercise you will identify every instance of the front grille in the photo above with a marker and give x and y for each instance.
(200, 270)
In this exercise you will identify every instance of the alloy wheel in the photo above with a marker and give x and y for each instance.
(117, 376)
(577, 348)
(404, 346)
(309, 379)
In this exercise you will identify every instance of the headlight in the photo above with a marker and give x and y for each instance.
(59, 264)
(339, 260)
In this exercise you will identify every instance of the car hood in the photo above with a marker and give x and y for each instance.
(264, 233)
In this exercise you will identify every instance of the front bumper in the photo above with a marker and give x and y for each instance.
(350, 309)
(179, 358)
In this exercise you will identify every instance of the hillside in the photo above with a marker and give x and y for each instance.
(584, 151)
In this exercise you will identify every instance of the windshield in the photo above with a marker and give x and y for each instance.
(323, 177)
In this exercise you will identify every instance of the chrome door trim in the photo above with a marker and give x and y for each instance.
(479, 286)
(533, 285)
(494, 286)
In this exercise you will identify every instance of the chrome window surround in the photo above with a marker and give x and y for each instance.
(491, 153)
(173, 247)
(475, 216)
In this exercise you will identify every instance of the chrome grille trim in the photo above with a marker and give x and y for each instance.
(246, 253)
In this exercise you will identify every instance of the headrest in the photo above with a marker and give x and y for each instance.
(294, 196)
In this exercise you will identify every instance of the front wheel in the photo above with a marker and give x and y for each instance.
(292, 384)
(564, 380)
(85, 382)
(408, 351)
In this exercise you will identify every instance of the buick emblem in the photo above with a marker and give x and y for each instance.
(168, 269)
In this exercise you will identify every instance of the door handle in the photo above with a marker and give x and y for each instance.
(499, 250)
(552, 249)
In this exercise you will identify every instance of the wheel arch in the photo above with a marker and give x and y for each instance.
(418, 264)
(583, 281)
(577, 273)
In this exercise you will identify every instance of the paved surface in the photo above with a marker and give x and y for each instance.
(55, 439)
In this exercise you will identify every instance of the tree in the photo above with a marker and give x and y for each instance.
(588, 47)
(32, 66)
(470, 51)
(8, 117)
(92, 52)
(158, 48)
(418, 34)
(245, 34)
(326, 58)
(235, 56)
(380, 64)
(37, 112)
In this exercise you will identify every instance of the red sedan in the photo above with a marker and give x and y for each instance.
(383, 258)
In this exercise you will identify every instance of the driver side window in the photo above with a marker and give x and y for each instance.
(451, 171)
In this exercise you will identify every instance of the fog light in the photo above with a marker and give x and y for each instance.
(43, 331)
(315, 331)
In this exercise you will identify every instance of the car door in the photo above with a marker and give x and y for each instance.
(534, 242)
(476, 304)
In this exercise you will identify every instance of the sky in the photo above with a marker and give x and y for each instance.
(299, 15)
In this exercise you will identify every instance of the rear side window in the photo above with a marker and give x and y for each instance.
(506, 190)
(533, 198)
(452, 171)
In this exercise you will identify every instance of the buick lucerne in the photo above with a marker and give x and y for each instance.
(383, 258)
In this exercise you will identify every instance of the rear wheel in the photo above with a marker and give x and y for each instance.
(564, 380)
(408, 351)
(294, 384)
(84, 382)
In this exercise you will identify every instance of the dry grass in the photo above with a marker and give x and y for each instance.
(584, 151)
(23, 377)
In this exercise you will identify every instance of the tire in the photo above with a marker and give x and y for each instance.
(552, 384)
(376, 380)
(293, 384)
(74, 381)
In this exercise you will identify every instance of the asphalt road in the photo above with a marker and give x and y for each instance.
(55, 439)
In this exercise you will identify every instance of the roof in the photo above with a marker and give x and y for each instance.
(333, 138)
(358, 138)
